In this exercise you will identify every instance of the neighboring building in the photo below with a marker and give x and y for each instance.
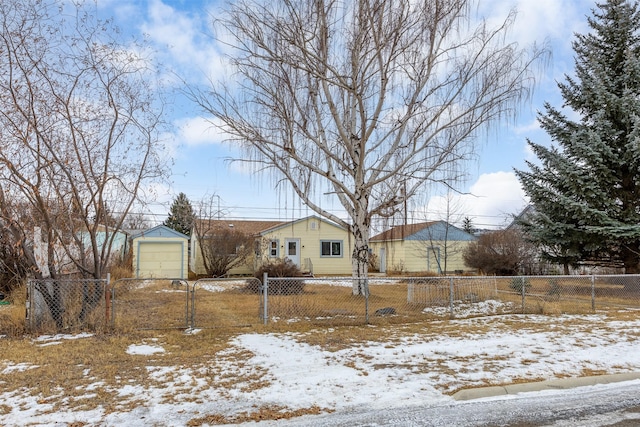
(63, 256)
(429, 247)
(160, 252)
(316, 245)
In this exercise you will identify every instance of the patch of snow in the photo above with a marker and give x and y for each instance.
(18, 367)
(481, 308)
(59, 337)
(144, 349)
(220, 285)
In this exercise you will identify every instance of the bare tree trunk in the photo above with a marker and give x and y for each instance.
(360, 259)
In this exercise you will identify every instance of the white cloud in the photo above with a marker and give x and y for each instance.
(199, 131)
(185, 39)
(537, 21)
(492, 201)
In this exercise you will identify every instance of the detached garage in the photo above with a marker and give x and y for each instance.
(160, 252)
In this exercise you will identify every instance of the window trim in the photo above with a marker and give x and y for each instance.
(271, 248)
(331, 242)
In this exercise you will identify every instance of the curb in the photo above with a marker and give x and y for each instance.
(556, 384)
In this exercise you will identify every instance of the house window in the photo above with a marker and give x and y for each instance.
(273, 248)
(292, 249)
(331, 248)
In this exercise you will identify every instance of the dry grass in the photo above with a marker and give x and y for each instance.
(12, 316)
(261, 414)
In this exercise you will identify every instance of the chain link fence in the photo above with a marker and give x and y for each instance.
(336, 300)
(127, 304)
(67, 305)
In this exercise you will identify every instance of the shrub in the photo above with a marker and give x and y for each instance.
(14, 268)
(281, 268)
(122, 267)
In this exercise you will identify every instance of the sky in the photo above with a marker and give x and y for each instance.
(180, 31)
(408, 370)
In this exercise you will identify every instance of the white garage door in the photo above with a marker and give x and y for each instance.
(162, 260)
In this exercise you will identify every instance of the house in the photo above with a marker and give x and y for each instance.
(316, 245)
(433, 247)
(160, 252)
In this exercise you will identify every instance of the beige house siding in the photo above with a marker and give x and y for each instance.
(160, 253)
(417, 256)
(415, 248)
(312, 232)
(306, 233)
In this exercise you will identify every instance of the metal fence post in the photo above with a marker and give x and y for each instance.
(193, 303)
(186, 308)
(451, 293)
(265, 300)
(524, 292)
(366, 301)
(28, 304)
(113, 303)
(593, 292)
(107, 302)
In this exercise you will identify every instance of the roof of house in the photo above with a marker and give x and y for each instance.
(291, 223)
(432, 230)
(249, 227)
(160, 231)
(253, 227)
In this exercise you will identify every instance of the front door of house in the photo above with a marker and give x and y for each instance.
(292, 250)
(383, 260)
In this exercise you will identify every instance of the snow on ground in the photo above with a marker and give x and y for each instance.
(406, 370)
(144, 349)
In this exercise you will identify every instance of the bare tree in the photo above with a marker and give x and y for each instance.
(444, 242)
(365, 100)
(221, 247)
(79, 125)
(136, 221)
(501, 252)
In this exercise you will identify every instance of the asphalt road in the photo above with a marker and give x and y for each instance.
(611, 405)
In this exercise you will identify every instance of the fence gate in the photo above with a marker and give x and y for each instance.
(150, 304)
(226, 302)
(67, 305)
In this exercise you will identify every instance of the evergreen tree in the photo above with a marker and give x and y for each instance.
(586, 190)
(467, 225)
(181, 216)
